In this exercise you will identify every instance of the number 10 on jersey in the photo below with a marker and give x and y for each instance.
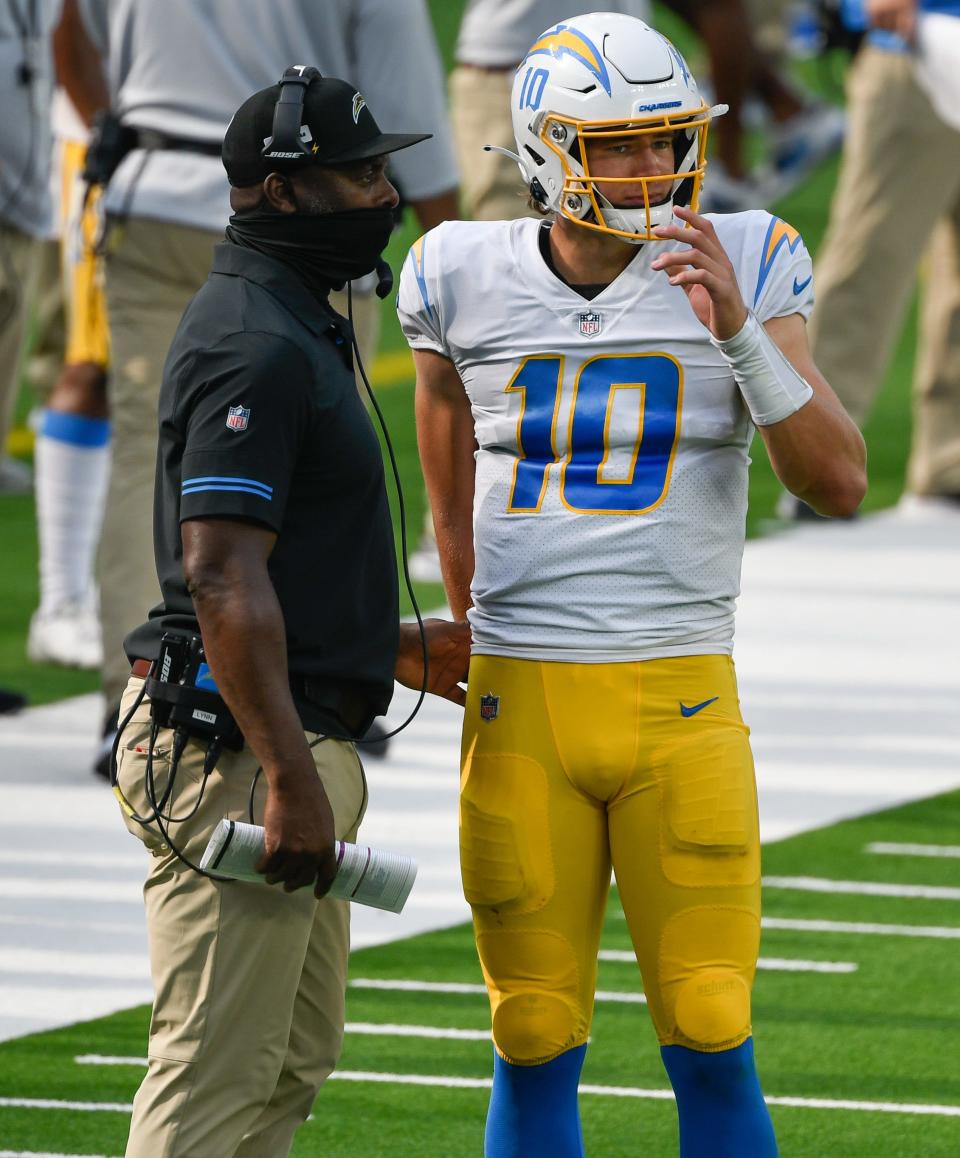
(589, 482)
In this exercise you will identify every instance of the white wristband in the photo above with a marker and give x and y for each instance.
(771, 387)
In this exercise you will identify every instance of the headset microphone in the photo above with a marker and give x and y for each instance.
(384, 278)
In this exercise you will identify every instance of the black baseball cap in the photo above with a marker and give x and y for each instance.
(336, 126)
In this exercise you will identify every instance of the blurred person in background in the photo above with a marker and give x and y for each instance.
(26, 212)
(896, 208)
(72, 453)
(493, 39)
(746, 47)
(26, 85)
(177, 71)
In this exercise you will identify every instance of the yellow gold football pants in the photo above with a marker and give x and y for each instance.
(642, 767)
(85, 301)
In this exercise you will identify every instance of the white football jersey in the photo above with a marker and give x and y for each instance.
(611, 475)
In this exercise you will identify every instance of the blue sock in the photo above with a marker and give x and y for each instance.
(75, 429)
(533, 1109)
(721, 1109)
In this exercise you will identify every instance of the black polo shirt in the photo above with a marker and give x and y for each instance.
(260, 421)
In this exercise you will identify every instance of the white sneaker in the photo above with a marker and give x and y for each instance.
(68, 636)
(801, 143)
(793, 510)
(722, 193)
(16, 478)
(928, 508)
(424, 563)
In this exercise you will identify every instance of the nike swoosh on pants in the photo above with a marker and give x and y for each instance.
(692, 711)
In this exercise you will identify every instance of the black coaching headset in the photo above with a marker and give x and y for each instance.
(286, 144)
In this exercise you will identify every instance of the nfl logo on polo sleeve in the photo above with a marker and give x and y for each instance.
(238, 418)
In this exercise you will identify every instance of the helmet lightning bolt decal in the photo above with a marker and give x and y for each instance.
(778, 235)
(566, 41)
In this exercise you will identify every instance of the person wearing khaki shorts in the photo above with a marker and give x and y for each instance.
(274, 554)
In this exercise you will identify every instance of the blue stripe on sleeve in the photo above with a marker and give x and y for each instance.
(220, 487)
(220, 482)
(75, 429)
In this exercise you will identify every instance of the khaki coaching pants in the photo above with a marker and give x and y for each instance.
(249, 981)
(18, 275)
(153, 269)
(892, 203)
(490, 184)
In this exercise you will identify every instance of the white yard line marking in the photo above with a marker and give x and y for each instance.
(44, 1154)
(863, 888)
(867, 1107)
(73, 859)
(946, 932)
(802, 925)
(56, 962)
(778, 964)
(23, 888)
(485, 1084)
(659, 1095)
(431, 1031)
(415, 986)
(364, 1028)
(891, 848)
(794, 965)
(53, 1104)
(459, 987)
(134, 925)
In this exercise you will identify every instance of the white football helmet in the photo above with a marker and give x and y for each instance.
(607, 75)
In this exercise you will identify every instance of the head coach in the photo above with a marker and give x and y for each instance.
(274, 549)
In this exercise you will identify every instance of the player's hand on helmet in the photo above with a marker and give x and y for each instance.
(704, 272)
(298, 831)
(448, 653)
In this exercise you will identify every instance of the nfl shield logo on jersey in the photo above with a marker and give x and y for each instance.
(590, 324)
(489, 707)
(237, 418)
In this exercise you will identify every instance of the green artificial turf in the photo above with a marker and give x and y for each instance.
(885, 1033)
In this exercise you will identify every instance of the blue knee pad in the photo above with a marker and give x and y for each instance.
(533, 1109)
(721, 1108)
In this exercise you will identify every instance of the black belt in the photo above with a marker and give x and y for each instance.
(339, 709)
(153, 139)
(111, 140)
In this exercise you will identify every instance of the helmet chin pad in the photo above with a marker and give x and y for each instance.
(638, 222)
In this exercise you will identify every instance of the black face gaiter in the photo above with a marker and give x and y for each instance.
(326, 250)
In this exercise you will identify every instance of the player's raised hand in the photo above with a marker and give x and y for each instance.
(704, 272)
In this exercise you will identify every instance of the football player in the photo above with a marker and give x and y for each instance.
(587, 390)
